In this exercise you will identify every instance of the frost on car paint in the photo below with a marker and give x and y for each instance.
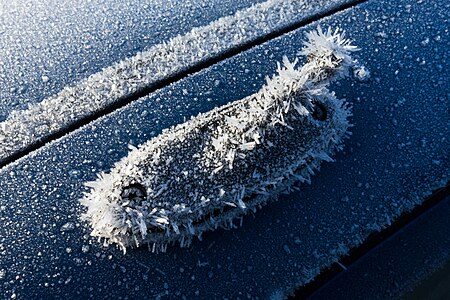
(212, 169)
(25, 128)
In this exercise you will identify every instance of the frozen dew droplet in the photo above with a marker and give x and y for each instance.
(85, 248)
(67, 227)
(361, 73)
(74, 173)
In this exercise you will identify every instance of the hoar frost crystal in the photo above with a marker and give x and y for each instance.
(212, 169)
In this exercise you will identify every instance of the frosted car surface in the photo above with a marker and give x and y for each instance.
(397, 154)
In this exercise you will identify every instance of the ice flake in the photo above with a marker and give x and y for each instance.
(248, 146)
(162, 221)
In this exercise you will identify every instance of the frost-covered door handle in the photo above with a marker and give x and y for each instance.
(212, 169)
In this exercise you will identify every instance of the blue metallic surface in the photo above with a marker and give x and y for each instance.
(398, 153)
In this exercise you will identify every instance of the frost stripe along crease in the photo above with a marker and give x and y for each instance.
(24, 128)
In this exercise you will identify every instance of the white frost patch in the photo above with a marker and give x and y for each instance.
(25, 127)
(361, 73)
(229, 160)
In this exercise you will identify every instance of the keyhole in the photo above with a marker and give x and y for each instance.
(134, 192)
